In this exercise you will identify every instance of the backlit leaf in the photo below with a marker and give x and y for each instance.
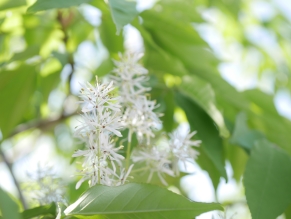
(135, 200)
(123, 12)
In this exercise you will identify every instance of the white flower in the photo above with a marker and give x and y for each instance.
(130, 77)
(110, 122)
(156, 160)
(181, 147)
(98, 96)
(45, 187)
(124, 175)
(138, 112)
(141, 119)
(99, 121)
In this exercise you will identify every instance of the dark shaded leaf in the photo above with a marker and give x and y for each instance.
(202, 93)
(39, 211)
(242, 135)
(267, 180)
(206, 131)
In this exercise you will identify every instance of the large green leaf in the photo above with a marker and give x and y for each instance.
(113, 42)
(41, 5)
(207, 164)
(123, 12)
(267, 181)
(184, 11)
(133, 200)
(264, 116)
(39, 211)
(202, 93)
(207, 132)
(242, 135)
(6, 4)
(16, 88)
(288, 212)
(181, 40)
(8, 207)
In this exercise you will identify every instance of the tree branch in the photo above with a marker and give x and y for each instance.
(9, 165)
(44, 124)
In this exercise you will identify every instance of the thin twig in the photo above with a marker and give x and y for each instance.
(9, 165)
(44, 124)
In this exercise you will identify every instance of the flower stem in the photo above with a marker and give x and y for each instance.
(99, 155)
(99, 148)
(128, 149)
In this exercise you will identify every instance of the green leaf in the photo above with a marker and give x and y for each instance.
(242, 135)
(123, 12)
(207, 164)
(113, 42)
(8, 207)
(168, 117)
(184, 11)
(207, 132)
(202, 93)
(39, 211)
(26, 54)
(264, 116)
(262, 100)
(135, 200)
(288, 212)
(62, 57)
(105, 67)
(7, 4)
(267, 181)
(16, 88)
(238, 159)
(178, 38)
(41, 5)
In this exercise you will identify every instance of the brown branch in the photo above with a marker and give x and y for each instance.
(9, 166)
(44, 124)
(64, 22)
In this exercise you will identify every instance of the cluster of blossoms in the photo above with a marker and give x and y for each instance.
(165, 159)
(138, 115)
(104, 115)
(44, 186)
(100, 121)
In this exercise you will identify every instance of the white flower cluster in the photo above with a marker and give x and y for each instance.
(139, 117)
(44, 186)
(104, 115)
(164, 160)
(99, 122)
(138, 114)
